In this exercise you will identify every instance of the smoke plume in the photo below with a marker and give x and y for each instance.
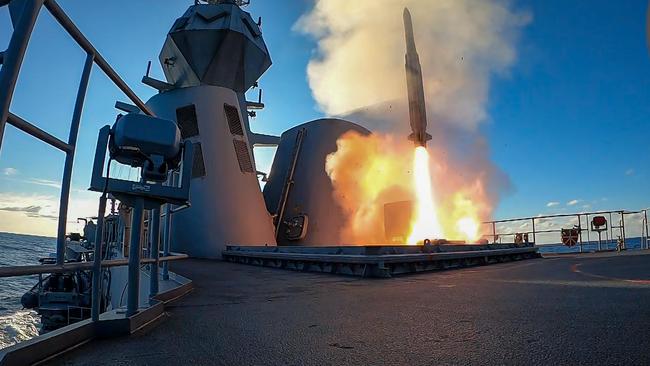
(358, 73)
(360, 58)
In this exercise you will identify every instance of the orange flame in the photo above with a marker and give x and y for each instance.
(368, 172)
(426, 224)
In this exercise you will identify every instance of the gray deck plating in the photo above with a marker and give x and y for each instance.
(567, 310)
(378, 260)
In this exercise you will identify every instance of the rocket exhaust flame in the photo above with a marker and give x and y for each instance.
(426, 224)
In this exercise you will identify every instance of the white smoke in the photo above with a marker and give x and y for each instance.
(360, 58)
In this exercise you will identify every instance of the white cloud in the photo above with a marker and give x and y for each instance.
(10, 171)
(37, 214)
(572, 202)
(44, 182)
(552, 203)
(629, 172)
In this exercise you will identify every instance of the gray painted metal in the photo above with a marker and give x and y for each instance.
(260, 140)
(166, 241)
(133, 292)
(140, 196)
(126, 107)
(161, 86)
(69, 159)
(417, 108)
(97, 260)
(226, 200)
(289, 181)
(378, 261)
(13, 57)
(215, 44)
(167, 232)
(17, 271)
(154, 229)
(34, 131)
(124, 190)
(311, 189)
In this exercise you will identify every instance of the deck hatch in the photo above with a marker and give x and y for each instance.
(234, 123)
(187, 122)
(243, 156)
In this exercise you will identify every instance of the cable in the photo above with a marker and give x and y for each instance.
(108, 175)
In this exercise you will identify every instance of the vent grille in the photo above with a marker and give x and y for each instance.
(198, 167)
(234, 123)
(186, 120)
(243, 157)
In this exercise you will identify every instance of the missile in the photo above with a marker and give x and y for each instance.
(417, 108)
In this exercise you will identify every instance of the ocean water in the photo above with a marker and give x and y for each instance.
(592, 246)
(17, 324)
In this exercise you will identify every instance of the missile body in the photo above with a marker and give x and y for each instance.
(417, 108)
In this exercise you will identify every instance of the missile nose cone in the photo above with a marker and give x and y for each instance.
(407, 13)
(408, 31)
(407, 18)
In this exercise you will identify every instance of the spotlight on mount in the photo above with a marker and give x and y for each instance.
(146, 142)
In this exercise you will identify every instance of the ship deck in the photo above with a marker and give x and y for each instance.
(568, 309)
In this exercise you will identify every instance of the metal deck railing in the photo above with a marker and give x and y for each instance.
(24, 18)
(581, 223)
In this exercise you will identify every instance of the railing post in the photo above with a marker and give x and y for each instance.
(13, 57)
(133, 294)
(534, 236)
(645, 243)
(97, 260)
(611, 230)
(69, 159)
(154, 226)
(580, 232)
(624, 246)
(494, 232)
(167, 240)
(587, 222)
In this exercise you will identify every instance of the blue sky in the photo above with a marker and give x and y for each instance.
(568, 123)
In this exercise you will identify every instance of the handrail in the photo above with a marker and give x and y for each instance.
(14, 55)
(645, 232)
(561, 215)
(30, 129)
(99, 60)
(12, 60)
(16, 271)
